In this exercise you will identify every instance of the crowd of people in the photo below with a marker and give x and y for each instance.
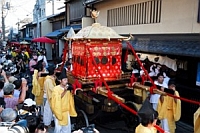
(46, 102)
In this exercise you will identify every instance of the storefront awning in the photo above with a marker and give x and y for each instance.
(55, 34)
(67, 28)
(182, 48)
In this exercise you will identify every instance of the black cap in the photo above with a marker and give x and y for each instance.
(63, 74)
(51, 70)
(17, 83)
(67, 63)
(172, 82)
(38, 66)
(160, 74)
(59, 60)
(147, 112)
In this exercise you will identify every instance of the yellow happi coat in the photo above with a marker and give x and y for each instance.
(142, 129)
(49, 84)
(170, 110)
(60, 106)
(38, 87)
(197, 121)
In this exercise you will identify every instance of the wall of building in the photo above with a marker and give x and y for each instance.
(54, 8)
(46, 28)
(177, 16)
(61, 46)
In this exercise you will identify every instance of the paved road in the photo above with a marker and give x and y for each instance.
(181, 128)
(184, 128)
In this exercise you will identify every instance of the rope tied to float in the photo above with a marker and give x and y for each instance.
(115, 99)
(150, 79)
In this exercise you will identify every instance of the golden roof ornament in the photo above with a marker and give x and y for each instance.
(94, 15)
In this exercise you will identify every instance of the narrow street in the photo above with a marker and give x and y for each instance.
(181, 128)
(100, 60)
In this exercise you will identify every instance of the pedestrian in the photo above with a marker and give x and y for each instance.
(38, 82)
(32, 62)
(10, 100)
(43, 57)
(169, 109)
(8, 115)
(49, 84)
(62, 104)
(154, 98)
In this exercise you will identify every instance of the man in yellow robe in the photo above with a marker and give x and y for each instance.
(148, 118)
(62, 104)
(38, 82)
(169, 109)
(49, 84)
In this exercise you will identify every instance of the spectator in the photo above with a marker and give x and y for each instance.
(43, 57)
(27, 55)
(11, 79)
(17, 88)
(12, 102)
(3, 74)
(8, 115)
(32, 62)
(1, 88)
(21, 67)
(40, 128)
(68, 65)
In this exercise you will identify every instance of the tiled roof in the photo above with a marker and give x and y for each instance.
(184, 48)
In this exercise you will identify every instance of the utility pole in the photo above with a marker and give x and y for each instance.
(3, 19)
(53, 7)
(3, 16)
(38, 24)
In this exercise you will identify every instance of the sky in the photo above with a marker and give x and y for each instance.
(19, 10)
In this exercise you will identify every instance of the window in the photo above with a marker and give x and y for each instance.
(141, 13)
(77, 10)
(198, 75)
(198, 17)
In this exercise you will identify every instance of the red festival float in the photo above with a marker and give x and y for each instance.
(103, 92)
(100, 85)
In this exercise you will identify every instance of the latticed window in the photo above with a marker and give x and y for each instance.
(140, 13)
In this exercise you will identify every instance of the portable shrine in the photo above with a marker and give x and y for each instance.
(106, 48)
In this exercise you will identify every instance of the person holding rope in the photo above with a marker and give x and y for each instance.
(169, 109)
